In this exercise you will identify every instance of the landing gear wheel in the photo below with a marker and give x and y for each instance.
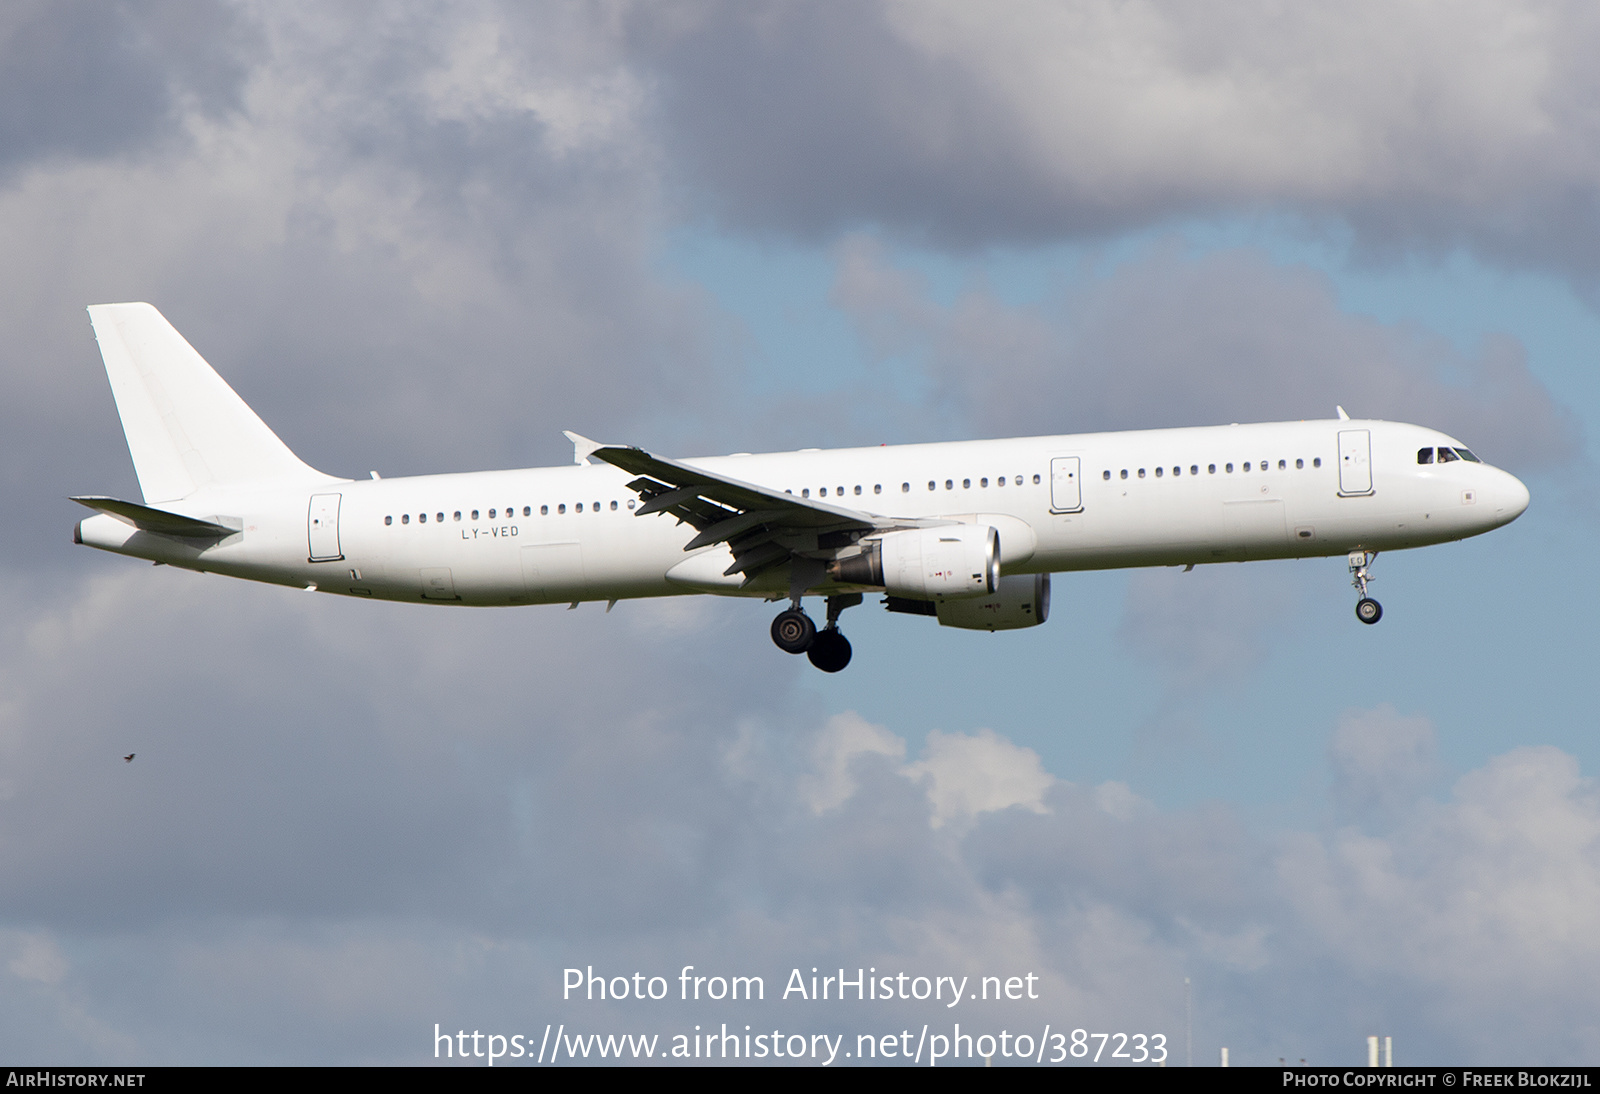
(830, 651)
(793, 631)
(1368, 610)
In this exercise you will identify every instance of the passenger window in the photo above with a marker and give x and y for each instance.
(596, 507)
(1158, 472)
(1317, 462)
(1001, 481)
(576, 509)
(949, 484)
(560, 510)
(1447, 455)
(1194, 469)
(613, 507)
(1177, 470)
(1424, 455)
(1247, 465)
(966, 484)
(422, 518)
(1019, 480)
(544, 510)
(1283, 465)
(388, 520)
(405, 518)
(1228, 468)
(905, 488)
(877, 488)
(839, 491)
(1124, 472)
(805, 492)
(858, 491)
(1299, 465)
(439, 517)
(1211, 469)
(1105, 475)
(630, 503)
(458, 514)
(823, 492)
(1035, 481)
(983, 482)
(491, 514)
(932, 485)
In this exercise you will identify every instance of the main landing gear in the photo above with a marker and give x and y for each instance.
(794, 632)
(1368, 610)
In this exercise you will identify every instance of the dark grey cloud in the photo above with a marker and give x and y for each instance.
(1421, 129)
(81, 79)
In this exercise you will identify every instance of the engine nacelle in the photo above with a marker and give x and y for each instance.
(1022, 600)
(953, 561)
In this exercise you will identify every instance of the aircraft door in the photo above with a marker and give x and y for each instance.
(323, 528)
(1066, 488)
(1355, 461)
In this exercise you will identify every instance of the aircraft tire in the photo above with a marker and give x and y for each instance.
(830, 651)
(793, 631)
(1368, 610)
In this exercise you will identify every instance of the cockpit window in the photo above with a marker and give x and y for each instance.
(1424, 455)
(1447, 454)
(1468, 456)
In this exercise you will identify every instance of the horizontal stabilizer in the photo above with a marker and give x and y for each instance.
(158, 521)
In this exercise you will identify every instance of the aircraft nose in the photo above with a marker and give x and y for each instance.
(1511, 498)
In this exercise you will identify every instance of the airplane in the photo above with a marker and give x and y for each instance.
(967, 532)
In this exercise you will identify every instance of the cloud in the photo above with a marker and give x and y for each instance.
(1417, 127)
(306, 870)
(1381, 761)
(1169, 338)
(970, 776)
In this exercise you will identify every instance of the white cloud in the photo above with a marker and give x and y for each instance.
(970, 775)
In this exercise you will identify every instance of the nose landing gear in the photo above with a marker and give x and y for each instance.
(794, 632)
(1368, 610)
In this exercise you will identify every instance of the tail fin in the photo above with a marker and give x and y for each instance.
(186, 428)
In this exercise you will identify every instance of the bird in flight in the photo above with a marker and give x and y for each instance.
(128, 759)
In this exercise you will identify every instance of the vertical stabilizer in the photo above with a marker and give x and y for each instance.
(187, 429)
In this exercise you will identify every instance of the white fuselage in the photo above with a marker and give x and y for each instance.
(1075, 502)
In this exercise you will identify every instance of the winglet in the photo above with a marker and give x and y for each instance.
(582, 447)
(1343, 417)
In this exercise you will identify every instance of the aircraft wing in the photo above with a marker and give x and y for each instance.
(762, 527)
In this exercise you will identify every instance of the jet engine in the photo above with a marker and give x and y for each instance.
(1022, 600)
(949, 562)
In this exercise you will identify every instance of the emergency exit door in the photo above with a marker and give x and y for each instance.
(1066, 487)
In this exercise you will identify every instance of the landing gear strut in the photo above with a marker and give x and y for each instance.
(794, 632)
(1368, 610)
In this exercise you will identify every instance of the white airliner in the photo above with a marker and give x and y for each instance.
(968, 532)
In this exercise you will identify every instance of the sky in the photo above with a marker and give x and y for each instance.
(1207, 807)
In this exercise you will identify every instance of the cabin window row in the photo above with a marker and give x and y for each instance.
(1211, 468)
(510, 512)
(905, 487)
